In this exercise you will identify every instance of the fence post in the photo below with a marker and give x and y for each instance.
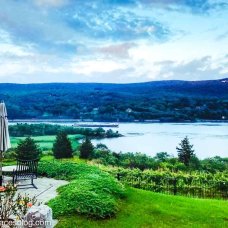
(174, 186)
(118, 176)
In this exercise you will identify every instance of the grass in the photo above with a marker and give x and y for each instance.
(75, 159)
(147, 209)
(46, 142)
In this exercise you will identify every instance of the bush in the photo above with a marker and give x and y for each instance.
(81, 200)
(65, 171)
(27, 150)
(62, 147)
(94, 195)
(105, 157)
(10, 154)
(94, 192)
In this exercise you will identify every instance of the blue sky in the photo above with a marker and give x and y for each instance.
(113, 41)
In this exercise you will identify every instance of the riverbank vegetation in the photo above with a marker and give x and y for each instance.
(24, 130)
(161, 161)
(184, 175)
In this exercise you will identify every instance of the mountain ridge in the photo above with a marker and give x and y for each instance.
(175, 99)
(104, 83)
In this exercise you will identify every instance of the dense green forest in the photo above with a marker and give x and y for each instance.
(163, 100)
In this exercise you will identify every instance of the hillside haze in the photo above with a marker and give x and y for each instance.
(165, 100)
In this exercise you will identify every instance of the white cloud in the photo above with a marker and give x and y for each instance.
(51, 3)
(88, 67)
(14, 51)
(116, 50)
(45, 44)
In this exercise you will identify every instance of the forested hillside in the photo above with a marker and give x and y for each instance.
(163, 100)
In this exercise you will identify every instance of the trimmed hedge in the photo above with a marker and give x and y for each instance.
(91, 192)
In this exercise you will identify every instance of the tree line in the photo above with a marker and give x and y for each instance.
(185, 161)
(24, 130)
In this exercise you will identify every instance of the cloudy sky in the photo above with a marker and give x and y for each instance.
(113, 40)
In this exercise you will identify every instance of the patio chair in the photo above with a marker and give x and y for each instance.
(26, 170)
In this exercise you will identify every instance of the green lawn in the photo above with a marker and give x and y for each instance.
(46, 142)
(148, 209)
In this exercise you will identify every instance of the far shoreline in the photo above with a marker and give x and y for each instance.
(111, 122)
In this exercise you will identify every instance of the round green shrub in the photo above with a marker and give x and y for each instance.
(91, 192)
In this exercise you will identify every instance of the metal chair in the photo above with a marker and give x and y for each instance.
(26, 170)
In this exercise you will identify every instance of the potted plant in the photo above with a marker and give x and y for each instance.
(13, 206)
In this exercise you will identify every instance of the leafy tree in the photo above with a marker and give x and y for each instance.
(62, 147)
(101, 146)
(173, 164)
(86, 149)
(185, 151)
(27, 149)
(135, 160)
(194, 163)
(105, 157)
(162, 156)
(215, 164)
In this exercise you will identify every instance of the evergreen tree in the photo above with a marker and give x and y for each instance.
(62, 147)
(27, 150)
(86, 149)
(185, 151)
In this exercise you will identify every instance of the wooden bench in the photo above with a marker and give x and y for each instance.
(25, 170)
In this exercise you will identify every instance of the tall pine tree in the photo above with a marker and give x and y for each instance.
(185, 151)
(27, 150)
(62, 147)
(86, 149)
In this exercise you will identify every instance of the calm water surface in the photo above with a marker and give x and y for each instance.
(209, 139)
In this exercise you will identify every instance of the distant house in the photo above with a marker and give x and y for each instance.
(129, 110)
(95, 111)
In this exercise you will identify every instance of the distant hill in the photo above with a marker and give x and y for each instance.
(170, 100)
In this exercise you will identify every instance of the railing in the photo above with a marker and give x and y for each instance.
(178, 186)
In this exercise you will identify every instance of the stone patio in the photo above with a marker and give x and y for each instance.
(46, 188)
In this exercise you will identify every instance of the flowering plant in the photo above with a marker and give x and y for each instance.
(23, 204)
(12, 204)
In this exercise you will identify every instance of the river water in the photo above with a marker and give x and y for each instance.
(209, 139)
